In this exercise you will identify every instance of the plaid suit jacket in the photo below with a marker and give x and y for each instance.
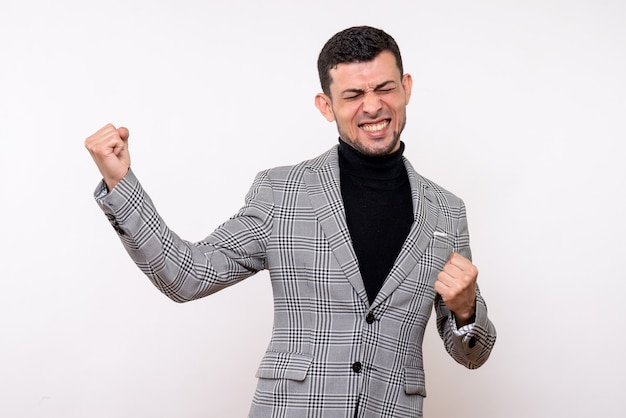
(331, 353)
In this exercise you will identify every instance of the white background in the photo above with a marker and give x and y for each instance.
(518, 107)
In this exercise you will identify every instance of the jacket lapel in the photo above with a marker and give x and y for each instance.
(322, 182)
(425, 214)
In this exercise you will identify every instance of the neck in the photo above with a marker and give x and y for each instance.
(372, 167)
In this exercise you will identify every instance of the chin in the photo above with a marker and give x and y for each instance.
(372, 147)
(379, 148)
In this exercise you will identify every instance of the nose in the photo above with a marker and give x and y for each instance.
(371, 103)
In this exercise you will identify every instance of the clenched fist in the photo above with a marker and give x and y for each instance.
(109, 149)
(456, 284)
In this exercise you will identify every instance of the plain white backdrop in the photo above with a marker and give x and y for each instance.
(518, 107)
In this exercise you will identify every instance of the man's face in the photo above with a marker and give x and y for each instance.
(368, 102)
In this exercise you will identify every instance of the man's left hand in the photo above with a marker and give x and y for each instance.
(456, 284)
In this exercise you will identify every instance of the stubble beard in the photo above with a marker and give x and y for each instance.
(359, 146)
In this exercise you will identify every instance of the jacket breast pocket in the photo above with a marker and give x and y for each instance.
(414, 381)
(281, 365)
(442, 240)
(439, 249)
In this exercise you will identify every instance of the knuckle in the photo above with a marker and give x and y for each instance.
(468, 279)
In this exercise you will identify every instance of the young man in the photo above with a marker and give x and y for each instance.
(358, 245)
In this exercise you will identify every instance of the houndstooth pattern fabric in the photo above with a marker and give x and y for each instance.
(331, 353)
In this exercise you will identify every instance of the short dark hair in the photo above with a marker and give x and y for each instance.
(355, 44)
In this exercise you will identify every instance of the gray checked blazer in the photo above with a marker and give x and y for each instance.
(331, 353)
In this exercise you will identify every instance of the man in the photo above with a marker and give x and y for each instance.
(359, 248)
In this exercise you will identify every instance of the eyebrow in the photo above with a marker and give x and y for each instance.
(359, 91)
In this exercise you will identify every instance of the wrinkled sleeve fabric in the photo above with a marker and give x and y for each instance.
(469, 345)
(182, 270)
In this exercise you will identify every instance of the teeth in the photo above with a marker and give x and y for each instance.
(377, 127)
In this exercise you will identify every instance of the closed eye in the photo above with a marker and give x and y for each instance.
(386, 87)
(382, 88)
(353, 95)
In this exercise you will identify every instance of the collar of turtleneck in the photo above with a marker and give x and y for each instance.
(384, 167)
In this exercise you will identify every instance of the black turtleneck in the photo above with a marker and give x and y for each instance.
(379, 211)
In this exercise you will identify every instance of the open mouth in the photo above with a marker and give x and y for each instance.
(375, 127)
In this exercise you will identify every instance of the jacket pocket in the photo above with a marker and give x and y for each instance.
(442, 240)
(280, 365)
(414, 381)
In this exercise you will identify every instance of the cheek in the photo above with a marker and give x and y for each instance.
(400, 113)
(348, 109)
(345, 118)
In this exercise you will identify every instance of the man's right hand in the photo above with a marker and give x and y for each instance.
(109, 149)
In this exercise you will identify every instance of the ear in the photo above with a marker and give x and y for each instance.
(325, 106)
(407, 84)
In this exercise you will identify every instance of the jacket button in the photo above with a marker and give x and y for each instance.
(370, 318)
(356, 367)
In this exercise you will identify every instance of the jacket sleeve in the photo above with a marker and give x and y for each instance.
(472, 345)
(182, 270)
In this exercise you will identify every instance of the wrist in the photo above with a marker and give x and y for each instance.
(462, 320)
